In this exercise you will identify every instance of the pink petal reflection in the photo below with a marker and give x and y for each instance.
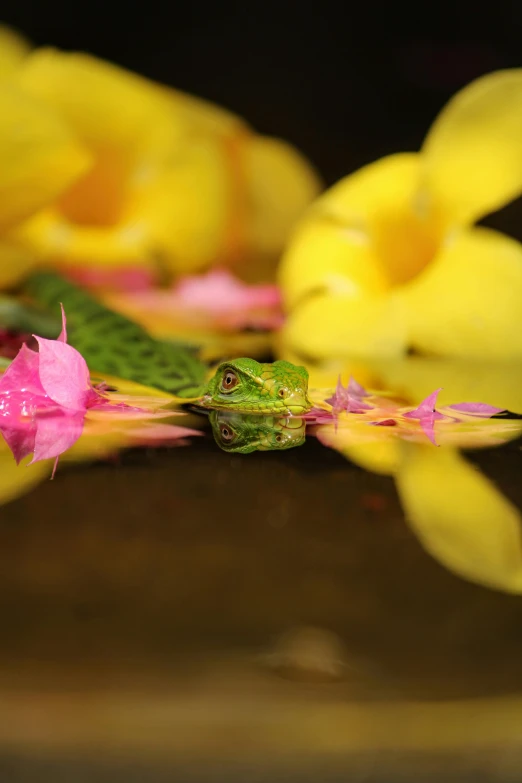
(19, 439)
(56, 433)
(427, 415)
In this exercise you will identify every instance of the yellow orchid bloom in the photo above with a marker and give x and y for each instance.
(172, 182)
(389, 259)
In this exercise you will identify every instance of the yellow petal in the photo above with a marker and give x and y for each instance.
(13, 50)
(372, 448)
(205, 117)
(280, 183)
(462, 380)
(324, 375)
(460, 517)
(472, 156)
(39, 158)
(468, 301)
(324, 256)
(341, 327)
(16, 480)
(107, 106)
(131, 127)
(50, 236)
(380, 205)
(187, 212)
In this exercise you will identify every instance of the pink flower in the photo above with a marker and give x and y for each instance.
(349, 399)
(44, 397)
(427, 415)
(220, 292)
(216, 299)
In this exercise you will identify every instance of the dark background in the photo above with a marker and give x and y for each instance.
(346, 82)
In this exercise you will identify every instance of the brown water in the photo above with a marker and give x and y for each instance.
(192, 615)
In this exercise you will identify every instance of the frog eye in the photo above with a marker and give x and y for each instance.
(229, 381)
(227, 433)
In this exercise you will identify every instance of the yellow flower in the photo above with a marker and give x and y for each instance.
(172, 181)
(389, 259)
(459, 516)
(39, 160)
(13, 49)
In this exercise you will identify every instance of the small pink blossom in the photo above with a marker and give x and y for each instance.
(349, 399)
(427, 415)
(44, 397)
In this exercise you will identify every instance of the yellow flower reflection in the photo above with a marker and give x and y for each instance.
(460, 517)
(166, 180)
(389, 259)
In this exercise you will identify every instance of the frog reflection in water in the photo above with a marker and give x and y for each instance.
(243, 433)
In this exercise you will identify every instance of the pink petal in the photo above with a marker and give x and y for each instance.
(357, 406)
(428, 425)
(319, 416)
(349, 399)
(56, 433)
(216, 297)
(20, 439)
(64, 374)
(426, 408)
(476, 408)
(427, 415)
(23, 374)
(19, 407)
(338, 400)
(355, 389)
(219, 292)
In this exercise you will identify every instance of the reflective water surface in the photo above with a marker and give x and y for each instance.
(187, 614)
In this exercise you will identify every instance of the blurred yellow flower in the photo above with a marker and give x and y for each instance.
(459, 516)
(388, 259)
(13, 49)
(167, 181)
